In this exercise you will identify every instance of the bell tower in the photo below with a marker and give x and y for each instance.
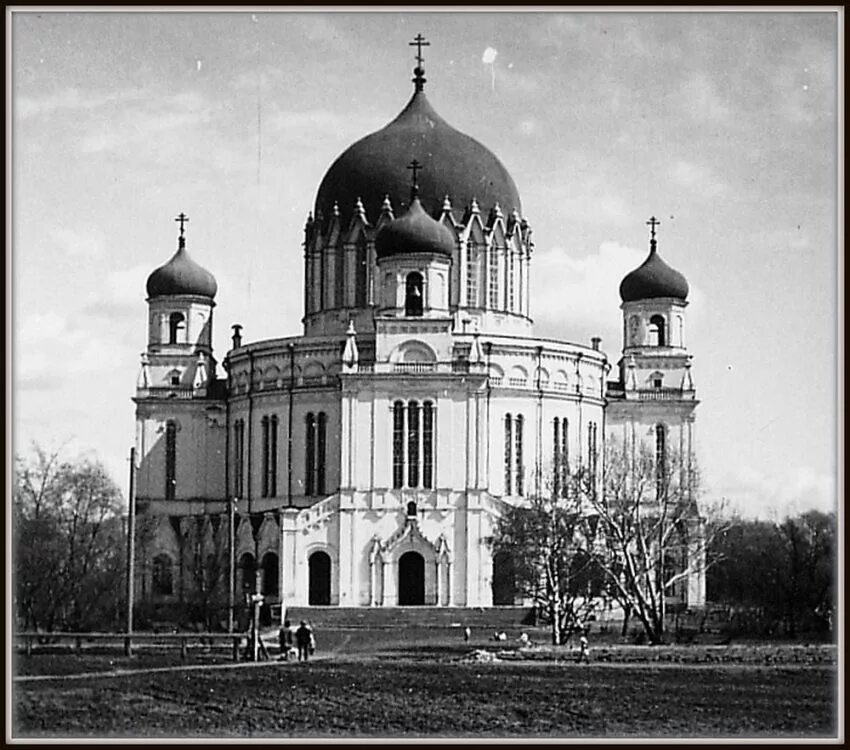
(179, 407)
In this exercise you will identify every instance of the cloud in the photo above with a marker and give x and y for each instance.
(79, 243)
(700, 100)
(697, 178)
(582, 293)
(793, 490)
(26, 107)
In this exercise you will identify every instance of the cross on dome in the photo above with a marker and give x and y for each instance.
(414, 167)
(419, 72)
(419, 42)
(652, 223)
(182, 219)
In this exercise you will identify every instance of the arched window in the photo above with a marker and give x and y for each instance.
(170, 460)
(413, 303)
(269, 427)
(413, 444)
(511, 295)
(316, 440)
(248, 570)
(518, 443)
(473, 262)
(592, 451)
(657, 333)
(556, 459)
(398, 444)
(176, 326)
(428, 445)
(161, 574)
(360, 268)
(508, 455)
(239, 458)
(411, 510)
(493, 277)
(413, 428)
(339, 276)
(660, 459)
(271, 575)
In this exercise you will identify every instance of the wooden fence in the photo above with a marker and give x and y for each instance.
(78, 642)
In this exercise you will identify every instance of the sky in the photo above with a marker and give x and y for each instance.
(722, 124)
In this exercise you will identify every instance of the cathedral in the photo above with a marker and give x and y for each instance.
(364, 463)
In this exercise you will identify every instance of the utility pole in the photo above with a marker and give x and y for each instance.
(131, 552)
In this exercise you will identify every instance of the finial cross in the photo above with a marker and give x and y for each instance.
(652, 223)
(414, 167)
(182, 219)
(419, 42)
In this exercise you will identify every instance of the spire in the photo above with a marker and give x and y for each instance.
(414, 167)
(181, 241)
(652, 223)
(419, 72)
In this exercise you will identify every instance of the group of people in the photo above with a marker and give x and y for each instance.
(300, 641)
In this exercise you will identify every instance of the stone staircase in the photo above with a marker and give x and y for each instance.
(493, 618)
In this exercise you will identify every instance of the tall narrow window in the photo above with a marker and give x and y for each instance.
(273, 456)
(565, 455)
(176, 326)
(592, 452)
(509, 303)
(413, 302)
(493, 277)
(413, 444)
(265, 440)
(518, 442)
(360, 260)
(310, 449)
(398, 444)
(162, 579)
(428, 445)
(660, 459)
(472, 285)
(339, 276)
(321, 446)
(556, 459)
(509, 465)
(170, 460)
(239, 458)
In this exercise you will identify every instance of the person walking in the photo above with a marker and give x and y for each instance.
(305, 641)
(584, 648)
(285, 640)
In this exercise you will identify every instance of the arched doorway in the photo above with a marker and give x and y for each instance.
(270, 574)
(504, 579)
(320, 579)
(411, 579)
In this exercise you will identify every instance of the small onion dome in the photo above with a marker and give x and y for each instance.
(653, 279)
(415, 232)
(181, 275)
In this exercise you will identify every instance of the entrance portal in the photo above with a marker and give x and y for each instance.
(320, 578)
(411, 579)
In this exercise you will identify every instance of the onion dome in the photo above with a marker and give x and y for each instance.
(415, 232)
(653, 278)
(454, 164)
(181, 275)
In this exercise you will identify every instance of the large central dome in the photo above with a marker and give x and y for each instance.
(453, 165)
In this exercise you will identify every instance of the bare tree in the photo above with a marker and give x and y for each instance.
(68, 542)
(646, 531)
(543, 539)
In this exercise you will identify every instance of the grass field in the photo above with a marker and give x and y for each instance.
(372, 685)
